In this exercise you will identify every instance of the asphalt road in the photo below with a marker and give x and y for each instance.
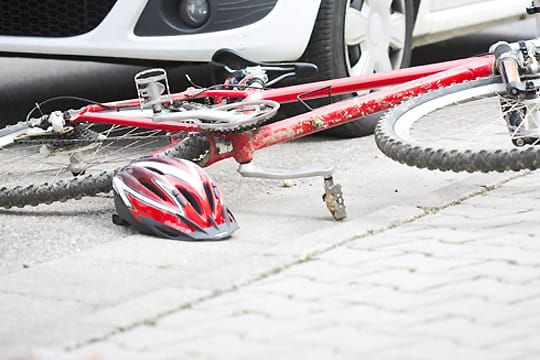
(33, 235)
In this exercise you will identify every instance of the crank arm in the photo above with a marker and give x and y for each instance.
(251, 170)
(333, 196)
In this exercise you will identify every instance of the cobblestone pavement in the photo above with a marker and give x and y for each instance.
(461, 281)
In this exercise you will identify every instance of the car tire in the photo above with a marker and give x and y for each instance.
(358, 37)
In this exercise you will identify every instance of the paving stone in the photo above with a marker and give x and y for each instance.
(442, 234)
(300, 288)
(410, 281)
(420, 262)
(328, 270)
(345, 256)
(370, 318)
(215, 345)
(192, 322)
(526, 316)
(529, 346)
(347, 339)
(109, 351)
(440, 349)
(492, 290)
(270, 305)
(391, 299)
(465, 332)
(481, 207)
(516, 256)
(432, 247)
(147, 337)
(503, 271)
(480, 311)
(523, 241)
(256, 327)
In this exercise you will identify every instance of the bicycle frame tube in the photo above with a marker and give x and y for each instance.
(315, 90)
(397, 85)
(349, 85)
(245, 144)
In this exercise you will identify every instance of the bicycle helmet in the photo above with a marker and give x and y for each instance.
(171, 198)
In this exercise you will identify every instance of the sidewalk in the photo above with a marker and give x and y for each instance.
(456, 275)
(461, 282)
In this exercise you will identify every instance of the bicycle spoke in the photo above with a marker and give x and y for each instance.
(36, 161)
(474, 126)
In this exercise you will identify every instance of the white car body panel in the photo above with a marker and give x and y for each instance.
(442, 19)
(281, 35)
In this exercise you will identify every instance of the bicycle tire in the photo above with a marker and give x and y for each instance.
(398, 133)
(328, 49)
(63, 189)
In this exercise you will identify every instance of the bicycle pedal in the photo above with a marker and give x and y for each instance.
(333, 197)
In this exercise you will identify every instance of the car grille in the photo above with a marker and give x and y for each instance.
(51, 18)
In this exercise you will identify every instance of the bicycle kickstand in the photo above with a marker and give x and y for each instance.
(333, 195)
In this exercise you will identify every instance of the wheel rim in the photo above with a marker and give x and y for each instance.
(375, 35)
(447, 123)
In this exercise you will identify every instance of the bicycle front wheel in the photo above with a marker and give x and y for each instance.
(472, 126)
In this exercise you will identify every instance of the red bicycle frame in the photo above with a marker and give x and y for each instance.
(395, 86)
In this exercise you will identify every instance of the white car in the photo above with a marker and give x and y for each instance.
(343, 37)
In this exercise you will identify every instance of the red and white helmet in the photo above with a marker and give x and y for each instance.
(171, 198)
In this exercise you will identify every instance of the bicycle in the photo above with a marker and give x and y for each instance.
(77, 152)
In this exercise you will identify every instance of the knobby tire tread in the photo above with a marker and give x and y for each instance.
(89, 185)
(390, 144)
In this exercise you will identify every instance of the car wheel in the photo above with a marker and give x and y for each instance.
(357, 37)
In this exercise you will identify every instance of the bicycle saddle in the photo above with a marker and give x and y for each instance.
(224, 59)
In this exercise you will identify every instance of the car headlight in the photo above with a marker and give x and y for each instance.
(194, 13)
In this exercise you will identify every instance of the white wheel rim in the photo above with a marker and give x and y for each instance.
(376, 31)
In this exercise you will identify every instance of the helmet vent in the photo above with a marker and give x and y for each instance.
(191, 199)
(155, 170)
(153, 189)
(210, 196)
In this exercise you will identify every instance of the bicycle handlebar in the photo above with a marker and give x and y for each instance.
(507, 63)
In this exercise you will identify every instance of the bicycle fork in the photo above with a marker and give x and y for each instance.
(520, 105)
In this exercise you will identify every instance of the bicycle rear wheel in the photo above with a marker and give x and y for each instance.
(44, 169)
(470, 127)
